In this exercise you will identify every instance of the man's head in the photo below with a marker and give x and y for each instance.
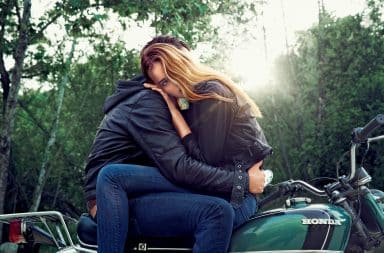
(167, 39)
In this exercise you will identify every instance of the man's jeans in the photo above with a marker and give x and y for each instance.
(159, 208)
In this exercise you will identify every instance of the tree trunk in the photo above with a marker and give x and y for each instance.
(44, 170)
(11, 102)
(5, 81)
(320, 57)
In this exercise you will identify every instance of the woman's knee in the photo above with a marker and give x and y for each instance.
(108, 174)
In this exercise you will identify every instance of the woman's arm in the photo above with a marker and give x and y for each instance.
(178, 120)
(181, 126)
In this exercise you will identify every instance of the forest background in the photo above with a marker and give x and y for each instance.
(330, 81)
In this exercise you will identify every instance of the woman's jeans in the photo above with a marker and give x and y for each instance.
(156, 207)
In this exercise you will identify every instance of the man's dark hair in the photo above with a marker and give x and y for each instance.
(169, 40)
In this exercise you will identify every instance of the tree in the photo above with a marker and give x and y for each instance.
(52, 136)
(10, 92)
(35, 60)
(350, 77)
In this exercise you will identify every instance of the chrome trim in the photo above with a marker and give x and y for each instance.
(353, 162)
(364, 181)
(43, 217)
(376, 138)
(353, 154)
(83, 244)
(44, 221)
(84, 250)
(310, 188)
(329, 228)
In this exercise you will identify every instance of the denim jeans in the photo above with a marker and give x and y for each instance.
(160, 208)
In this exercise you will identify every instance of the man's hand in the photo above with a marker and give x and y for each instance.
(256, 178)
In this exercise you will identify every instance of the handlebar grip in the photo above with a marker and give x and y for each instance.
(361, 134)
(283, 188)
(264, 201)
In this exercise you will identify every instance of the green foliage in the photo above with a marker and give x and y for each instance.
(90, 82)
(336, 68)
(186, 19)
(98, 66)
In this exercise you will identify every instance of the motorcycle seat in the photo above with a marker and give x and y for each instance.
(87, 235)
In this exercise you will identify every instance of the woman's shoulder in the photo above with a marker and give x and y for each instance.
(214, 86)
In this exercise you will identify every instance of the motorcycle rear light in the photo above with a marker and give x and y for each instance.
(16, 231)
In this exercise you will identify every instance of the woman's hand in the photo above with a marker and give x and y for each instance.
(256, 178)
(178, 120)
(171, 102)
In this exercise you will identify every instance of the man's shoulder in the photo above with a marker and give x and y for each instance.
(142, 97)
(149, 98)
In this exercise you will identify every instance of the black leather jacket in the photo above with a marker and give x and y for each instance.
(227, 132)
(224, 133)
(137, 129)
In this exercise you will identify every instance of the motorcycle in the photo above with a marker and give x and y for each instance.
(347, 217)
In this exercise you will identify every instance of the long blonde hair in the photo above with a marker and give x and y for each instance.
(181, 69)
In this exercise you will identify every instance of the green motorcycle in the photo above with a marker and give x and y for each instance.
(347, 217)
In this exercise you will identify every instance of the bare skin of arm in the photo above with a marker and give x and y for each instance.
(93, 211)
(178, 120)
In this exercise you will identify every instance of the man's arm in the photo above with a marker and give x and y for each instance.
(149, 122)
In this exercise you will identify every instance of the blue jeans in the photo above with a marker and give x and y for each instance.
(160, 208)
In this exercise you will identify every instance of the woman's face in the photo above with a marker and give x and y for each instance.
(157, 74)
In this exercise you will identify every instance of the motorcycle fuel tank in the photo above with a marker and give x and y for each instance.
(312, 228)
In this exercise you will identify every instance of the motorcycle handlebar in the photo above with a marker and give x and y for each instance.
(310, 188)
(360, 134)
(289, 187)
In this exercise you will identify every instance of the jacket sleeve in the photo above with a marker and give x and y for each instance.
(149, 122)
(192, 147)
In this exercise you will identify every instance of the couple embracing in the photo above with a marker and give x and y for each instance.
(179, 152)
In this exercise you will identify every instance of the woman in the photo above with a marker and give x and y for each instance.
(222, 117)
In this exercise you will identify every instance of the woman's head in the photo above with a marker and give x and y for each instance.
(177, 73)
(159, 77)
(167, 65)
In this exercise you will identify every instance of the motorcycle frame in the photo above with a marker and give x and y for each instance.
(60, 223)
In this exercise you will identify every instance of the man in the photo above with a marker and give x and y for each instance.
(137, 129)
